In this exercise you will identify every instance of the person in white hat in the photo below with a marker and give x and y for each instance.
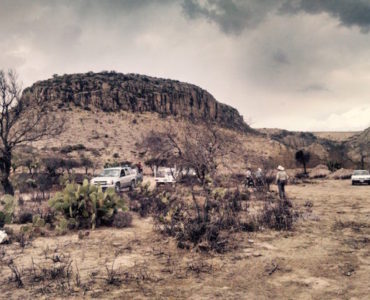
(281, 180)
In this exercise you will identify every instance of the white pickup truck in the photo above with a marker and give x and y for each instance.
(118, 178)
(360, 176)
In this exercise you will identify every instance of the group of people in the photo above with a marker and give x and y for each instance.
(258, 179)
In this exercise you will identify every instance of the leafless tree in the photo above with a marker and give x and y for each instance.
(202, 148)
(23, 119)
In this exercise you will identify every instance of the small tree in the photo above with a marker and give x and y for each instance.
(154, 163)
(87, 163)
(52, 165)
(69, 164)
(23, 119)
(303, 157)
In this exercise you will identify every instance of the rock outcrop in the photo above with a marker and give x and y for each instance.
(110, 91)
(358, 148)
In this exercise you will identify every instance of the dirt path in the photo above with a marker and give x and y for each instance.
(327, 256)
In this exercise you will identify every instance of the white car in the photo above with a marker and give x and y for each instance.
(118, 178)
(165, 176)
(360, 176)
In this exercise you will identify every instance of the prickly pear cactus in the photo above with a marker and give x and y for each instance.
(87, 206)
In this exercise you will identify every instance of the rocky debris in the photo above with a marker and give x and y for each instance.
(320, 171)
(111, 91)
(321, 167)
(341, 174)
(3, 237)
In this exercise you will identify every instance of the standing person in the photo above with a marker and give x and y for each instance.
(281, 180)
(250, 182)
(259, 177)
(139, 167)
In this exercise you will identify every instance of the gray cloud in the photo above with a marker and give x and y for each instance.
(276, 61)
(349, 12)
(314, 87)
(233, 16)
(280, 57)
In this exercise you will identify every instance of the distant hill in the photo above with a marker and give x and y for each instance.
(109, 113)
(338, 136)
(343, 147)
(113, 92)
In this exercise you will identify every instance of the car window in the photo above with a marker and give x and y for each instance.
(109, 173)
(361, 172)
(122, 173)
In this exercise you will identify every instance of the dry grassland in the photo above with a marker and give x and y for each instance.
(327, 256)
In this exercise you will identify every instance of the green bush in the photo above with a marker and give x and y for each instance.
(333, 165)
(37, 221)
(9, 203)
(87, 206)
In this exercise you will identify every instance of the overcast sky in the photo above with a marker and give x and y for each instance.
(293, 64)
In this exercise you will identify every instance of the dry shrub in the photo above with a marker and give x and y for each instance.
(17, 274)
(198, 267)
(50, 276)
(30, 209)
(122, 219)
(24, 217)
(113, 276)
(278, 216)
(206, 219)
(354, 225)
(2, 219)
(145, 202)
(205, 225)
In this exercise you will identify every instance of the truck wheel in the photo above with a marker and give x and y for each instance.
(117, 187)
(132, 186)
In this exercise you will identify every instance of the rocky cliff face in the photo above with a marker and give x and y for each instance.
(358, 148)
(110, 91)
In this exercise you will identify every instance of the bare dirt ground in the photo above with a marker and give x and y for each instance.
(327, 256)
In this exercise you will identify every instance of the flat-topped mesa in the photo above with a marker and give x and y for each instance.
(110, 91)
